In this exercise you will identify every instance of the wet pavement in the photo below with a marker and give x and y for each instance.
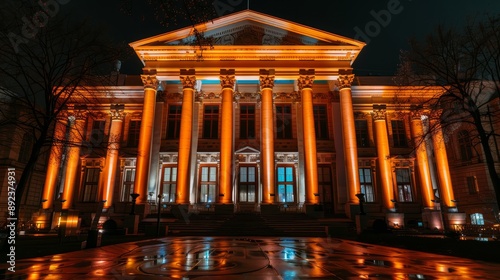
(249, 258)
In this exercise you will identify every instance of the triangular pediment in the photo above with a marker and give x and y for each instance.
(247, 150)
(250, 28)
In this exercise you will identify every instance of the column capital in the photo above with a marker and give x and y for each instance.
(116, 112)
(266, 78)
(306, 78)
(149, 81)
(345, 80)
(379, 112)
(227, 78)
(78, 112)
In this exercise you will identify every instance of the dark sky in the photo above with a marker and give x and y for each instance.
(408, 18)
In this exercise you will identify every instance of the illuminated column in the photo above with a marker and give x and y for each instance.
(111, 164)
(384, 154)
(77, 131)
(422, 159)
(145, 134)
(227, 80)
(349, 136)
(188, 82)
(305, 83)
(267, 134)
(54, 163)
(443, 170)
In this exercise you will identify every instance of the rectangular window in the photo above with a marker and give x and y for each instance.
(208, 184)
(286, 183)
(247, 122)
(325, 183)
(477, 219)
(174, 121)
(320, 122)
(97, 134)
(128, 184)
(465, 145)
(399, 134)
(211, 122)
(133, 133)
(247, 183)
(472, 184)
(284, 121)
(91, 183)
(169, 183)
(365, 179)
(362, 139)
(404, 185)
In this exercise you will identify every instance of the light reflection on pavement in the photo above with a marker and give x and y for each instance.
(249, 258)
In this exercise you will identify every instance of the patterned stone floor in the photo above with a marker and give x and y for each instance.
(249, 258)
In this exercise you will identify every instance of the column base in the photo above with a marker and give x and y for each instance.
(131, 223)
(433, 219)
(395, 220)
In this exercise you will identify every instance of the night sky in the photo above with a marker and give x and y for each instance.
(409, 18)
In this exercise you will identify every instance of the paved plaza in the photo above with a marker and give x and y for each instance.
(249, 258)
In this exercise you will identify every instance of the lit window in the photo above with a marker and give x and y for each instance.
(283, 121)
(169, 183)
(211, 122)
(286, 183)
(128, 184)
(320, 122)
(90, 186)
(174, 121)
(404, 185)
(477, 219)
(365, 179)
(247, 183)
(465, 145)
(247, 122)
(399, 134)
(133, 133)
(208, 184)
(362, 139)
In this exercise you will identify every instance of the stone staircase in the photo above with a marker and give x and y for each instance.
(251, 224)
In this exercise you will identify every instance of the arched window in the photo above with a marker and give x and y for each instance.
(465, 145)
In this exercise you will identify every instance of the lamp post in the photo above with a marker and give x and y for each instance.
(134, 199)
(160, 196)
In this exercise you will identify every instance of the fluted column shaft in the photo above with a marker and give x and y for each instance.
(227, 80)
(267, 135)
(188, 82)
(77, 131)
(422, 159)
(54, 163)
(305, 83)
(384, 162)
(349, 136)
(112, 155)
(443, 170)
(145, 134)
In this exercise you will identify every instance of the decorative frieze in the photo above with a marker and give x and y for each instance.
(287, 157)
(208, 157)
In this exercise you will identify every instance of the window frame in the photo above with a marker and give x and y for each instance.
(399, 139)
(247, 121)
(174, 115)
(210, 127)
(284, 125)
(321, 127)
(367, 187)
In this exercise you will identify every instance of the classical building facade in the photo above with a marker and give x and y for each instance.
(267, 117)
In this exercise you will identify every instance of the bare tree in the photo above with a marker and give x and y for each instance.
(46, 61)
(465, 65)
